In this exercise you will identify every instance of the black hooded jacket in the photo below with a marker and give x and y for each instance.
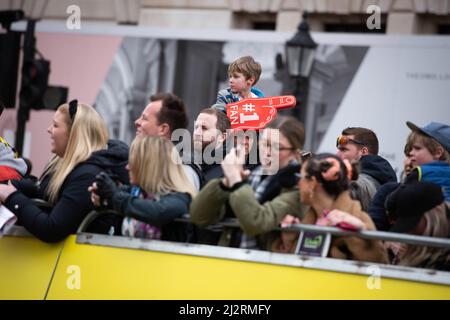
(113, 160)
(374, 172)
(73, 201)
(378, 168)
(213, 170)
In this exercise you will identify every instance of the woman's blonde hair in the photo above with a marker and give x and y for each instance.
(87, 133)
(156, 167)
(437, 226)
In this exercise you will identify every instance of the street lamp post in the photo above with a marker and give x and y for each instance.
(300, 52)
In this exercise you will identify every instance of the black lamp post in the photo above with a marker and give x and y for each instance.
(300, 52)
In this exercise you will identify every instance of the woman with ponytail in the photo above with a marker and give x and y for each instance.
(324, 186)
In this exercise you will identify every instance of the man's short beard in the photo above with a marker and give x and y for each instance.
(201, 145)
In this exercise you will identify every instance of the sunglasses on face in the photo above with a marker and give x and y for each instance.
(343, 140)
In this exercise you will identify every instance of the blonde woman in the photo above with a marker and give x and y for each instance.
(79, 140)
(160, 191)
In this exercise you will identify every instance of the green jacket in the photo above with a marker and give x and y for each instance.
(210, 206)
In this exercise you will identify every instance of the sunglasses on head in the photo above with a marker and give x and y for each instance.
(343, 140)
(306, 155)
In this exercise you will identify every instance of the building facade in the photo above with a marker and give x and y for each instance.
(396, 16)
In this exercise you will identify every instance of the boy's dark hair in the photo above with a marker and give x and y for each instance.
(172, 112)
(318, 165)
(223, 123)
(367, 137)
(247, 66)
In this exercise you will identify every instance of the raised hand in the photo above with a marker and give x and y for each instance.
(106, 188)
(233, 166)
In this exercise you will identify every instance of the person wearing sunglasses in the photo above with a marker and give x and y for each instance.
(360, 145)
(79, 141)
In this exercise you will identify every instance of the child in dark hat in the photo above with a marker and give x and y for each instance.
(419, 208)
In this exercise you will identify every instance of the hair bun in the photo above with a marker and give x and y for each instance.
(332, 169)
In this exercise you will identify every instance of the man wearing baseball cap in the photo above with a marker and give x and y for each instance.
(430, 154)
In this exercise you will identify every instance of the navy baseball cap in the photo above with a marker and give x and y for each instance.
(438, 131)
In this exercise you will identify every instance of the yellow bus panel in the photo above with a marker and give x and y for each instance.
(88, 271)
(26, 267)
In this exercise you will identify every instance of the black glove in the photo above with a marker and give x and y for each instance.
(28, 187)
(106, 188)
(286, 176)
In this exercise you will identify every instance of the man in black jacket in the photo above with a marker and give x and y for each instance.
(209, 139)
(361, 144)
(209, 145)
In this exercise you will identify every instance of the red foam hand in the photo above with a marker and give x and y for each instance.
(257, 113)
